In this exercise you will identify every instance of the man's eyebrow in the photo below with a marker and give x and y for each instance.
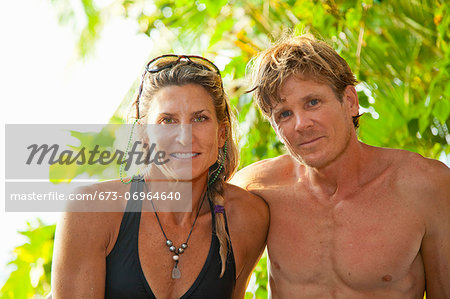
(276, 108)
(310, 96)
(277, 104)
(200, 111)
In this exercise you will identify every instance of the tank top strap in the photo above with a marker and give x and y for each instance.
(129, 226)
(134, 203)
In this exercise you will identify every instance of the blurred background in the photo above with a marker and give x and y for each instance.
(79, 61)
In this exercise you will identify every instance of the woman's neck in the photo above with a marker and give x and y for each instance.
(185, 199)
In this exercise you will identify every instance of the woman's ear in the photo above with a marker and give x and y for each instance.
(222, 135)
(142, 132)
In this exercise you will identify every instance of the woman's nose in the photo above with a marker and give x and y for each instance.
(184, 134)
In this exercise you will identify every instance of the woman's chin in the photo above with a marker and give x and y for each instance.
(176, 170)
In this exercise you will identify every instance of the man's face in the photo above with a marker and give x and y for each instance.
(313, 124)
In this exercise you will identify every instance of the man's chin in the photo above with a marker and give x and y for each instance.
(312, 162)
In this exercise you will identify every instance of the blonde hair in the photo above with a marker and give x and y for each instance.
(304, 56)
(187, 73)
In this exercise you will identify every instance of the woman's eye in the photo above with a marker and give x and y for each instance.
(200, 118)
(167, 121)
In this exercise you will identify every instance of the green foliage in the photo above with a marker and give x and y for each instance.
(104, 140)
(259, 289)
(399, 51)
(31, 278)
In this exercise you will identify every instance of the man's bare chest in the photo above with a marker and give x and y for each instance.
(370, 238)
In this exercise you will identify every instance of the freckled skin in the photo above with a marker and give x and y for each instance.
(348, 220)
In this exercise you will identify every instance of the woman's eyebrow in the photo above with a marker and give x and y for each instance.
(166, 113)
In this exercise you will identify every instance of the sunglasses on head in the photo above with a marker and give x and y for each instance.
(168, 61)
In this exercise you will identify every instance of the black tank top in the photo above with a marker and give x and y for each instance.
(124, 275)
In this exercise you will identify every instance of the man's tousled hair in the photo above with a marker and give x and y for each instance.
(303, 56)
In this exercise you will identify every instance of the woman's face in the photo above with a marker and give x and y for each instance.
(188, 130)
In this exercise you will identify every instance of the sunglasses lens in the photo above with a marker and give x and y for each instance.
(161, 63)
(205, 64)
(167, 61)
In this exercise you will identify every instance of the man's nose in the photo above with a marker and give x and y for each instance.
(184, 136)
(302, 121)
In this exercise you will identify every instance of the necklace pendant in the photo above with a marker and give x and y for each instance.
(176, 273)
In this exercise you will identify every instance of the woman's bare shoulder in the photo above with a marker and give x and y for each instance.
(85, 234)
(243, 205)
(248, 222)
(96, 215)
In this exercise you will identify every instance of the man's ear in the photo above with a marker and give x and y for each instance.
(351, 99)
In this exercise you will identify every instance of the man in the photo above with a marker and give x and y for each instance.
(347, 220)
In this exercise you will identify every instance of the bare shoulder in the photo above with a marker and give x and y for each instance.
(247, 214)
(92, 219)
(83, 239)
(416, 177)
(243, 205)
(420, 174)
(248, 223)
(264, 173)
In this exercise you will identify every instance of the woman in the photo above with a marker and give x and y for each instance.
(207, 253)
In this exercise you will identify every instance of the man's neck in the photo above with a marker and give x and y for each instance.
(342, 175)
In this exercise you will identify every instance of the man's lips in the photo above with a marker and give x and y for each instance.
(310, 141)
(180, 155)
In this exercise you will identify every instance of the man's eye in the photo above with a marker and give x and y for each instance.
(313, 102)
(284, 114)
